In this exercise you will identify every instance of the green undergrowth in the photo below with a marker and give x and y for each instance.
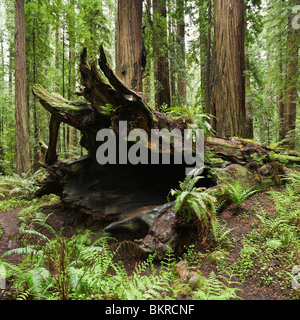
(267, 254)
(271, 250)
(79, 269)
(82, 268)
(17, 191)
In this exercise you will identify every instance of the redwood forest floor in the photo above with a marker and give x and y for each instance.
(261, 274)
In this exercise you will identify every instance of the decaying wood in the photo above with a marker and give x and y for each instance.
(105, 191)
(108, 192)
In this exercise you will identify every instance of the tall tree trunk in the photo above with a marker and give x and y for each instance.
(71, 76)
(249, 120)
(208, 60)
(161, 63)
(23, 164)
(129, 43)
(64, 135)
(56, 55)
(280, 95)
(292, 86)
(228, 82)
(203, 62)
(205, 54)
(147, 78)
(36, 156)
(181, 84)
(172, 54)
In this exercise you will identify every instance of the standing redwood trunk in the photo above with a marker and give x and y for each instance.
(205, 54)
(208, 60)
(280, 94)
(181, 85)
(161, 63)
(228, 81)
(36, 155)
(71, 134)
(249, 121)
(289, 124)
(21, 108)
(129, 43)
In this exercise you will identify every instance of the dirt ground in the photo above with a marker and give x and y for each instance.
(234, 218)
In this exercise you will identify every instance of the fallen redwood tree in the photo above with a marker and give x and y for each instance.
(127, 193)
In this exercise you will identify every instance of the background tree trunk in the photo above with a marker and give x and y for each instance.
(248, 105)
(228, 82)
(181, 84)
(161, 63)
(208, 60)
(289, 123)
(280, 98)
(71, 76)
(23, 164)
(129, 43)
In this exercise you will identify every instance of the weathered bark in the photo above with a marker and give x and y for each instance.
(161, 63)
(107, 190)
(289, 123)
(249, 114)
(228, 81)
(129, 43)
(23, 164)
(208, 60)
(280, 100)
(205, 54)
(181, 85)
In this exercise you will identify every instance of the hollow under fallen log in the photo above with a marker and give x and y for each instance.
(111, 193)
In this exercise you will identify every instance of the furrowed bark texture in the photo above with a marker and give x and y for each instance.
(21, 110)
(289, 116)
(228, 82)
(161, 63)
(129, 43)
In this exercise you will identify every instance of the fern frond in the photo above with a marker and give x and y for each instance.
(215, 289)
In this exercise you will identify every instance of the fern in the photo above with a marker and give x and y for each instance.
(220, 232)
(22, 186)
(191, 201)
(238, 194)
(215, 289)
(281, 229)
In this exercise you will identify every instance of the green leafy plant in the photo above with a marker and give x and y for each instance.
(220, 232)
(62, 268)
(192, 256)
(238, 194)
(217, 288)
(246, 260)
(193, 201)
(21, 186)
(193, 115)
(293, 180)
